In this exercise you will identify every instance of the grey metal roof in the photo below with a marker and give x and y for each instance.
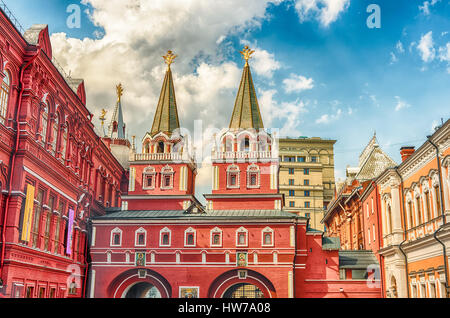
(357, 259)
(181, 214)
(331, 243)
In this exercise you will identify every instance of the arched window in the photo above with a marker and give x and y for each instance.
(410, 214)
(245, 144)
(160, 147)
(44, 123)
(419, 210)
(216, 237)
(241, 237)
(4, 96)
(189, 237)
(228, 144)
(426, 197)
(140, 237)
(116, 237)
(55, 133)
(267, 237)
(64, 143)
(164, 237)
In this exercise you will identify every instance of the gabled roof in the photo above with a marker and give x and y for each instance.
(375, 163)
(246, 113)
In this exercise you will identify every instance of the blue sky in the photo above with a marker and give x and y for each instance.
(394, 80)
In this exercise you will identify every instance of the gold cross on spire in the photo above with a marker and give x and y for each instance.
(119, 90)
(169, 57)
(247, 54)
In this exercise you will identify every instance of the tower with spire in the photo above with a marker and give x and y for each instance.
(245, 158)
(115, 138)
(162, 176)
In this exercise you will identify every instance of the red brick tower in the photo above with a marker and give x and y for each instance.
(162, 177)
(245, 159)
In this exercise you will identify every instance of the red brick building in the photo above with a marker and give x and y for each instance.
(55, 172)
(163, 243)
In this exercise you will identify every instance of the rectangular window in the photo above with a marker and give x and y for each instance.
(141, 239)
(291, 181)
(307, 204)
(291, 170)
(301, 159)
(233, 179)
(149, 182)
(242, 238)
(292, 193)
(289, 159)
(116, 238)
(306, 171)
(306, 182)
(292, 204)
(37, 218)
(308, 215)
(30, 291)
(307, 193)
(167, 181)
(313, 159)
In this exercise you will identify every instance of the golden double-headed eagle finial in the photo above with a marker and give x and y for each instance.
(119, 90)
(247, 54)
(103, 115)
(169, 58)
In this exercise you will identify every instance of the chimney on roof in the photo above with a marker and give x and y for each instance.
(406, 152)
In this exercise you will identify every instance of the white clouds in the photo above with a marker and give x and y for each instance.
(137, 33)
(328, 118)
(429, 52)
(297, 83)
(425, 8)
(399, 47)
(426, 47)
(401, 104)
(288, 113)
(444, 53)
(325, 11)
(399, 50)
(263, 62)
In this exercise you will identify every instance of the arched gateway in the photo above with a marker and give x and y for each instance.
(140, 283)
(242, 284)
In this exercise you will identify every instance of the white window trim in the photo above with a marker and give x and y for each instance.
(190, 231)
(238, 177)
(258, 176)
(163, 231)
(149, 171)
(164, 174)
(136, 235)
(216, 230)
(115, 231)
(242, 230)
(265, 231)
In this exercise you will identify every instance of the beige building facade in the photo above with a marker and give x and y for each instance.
(306, 176)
